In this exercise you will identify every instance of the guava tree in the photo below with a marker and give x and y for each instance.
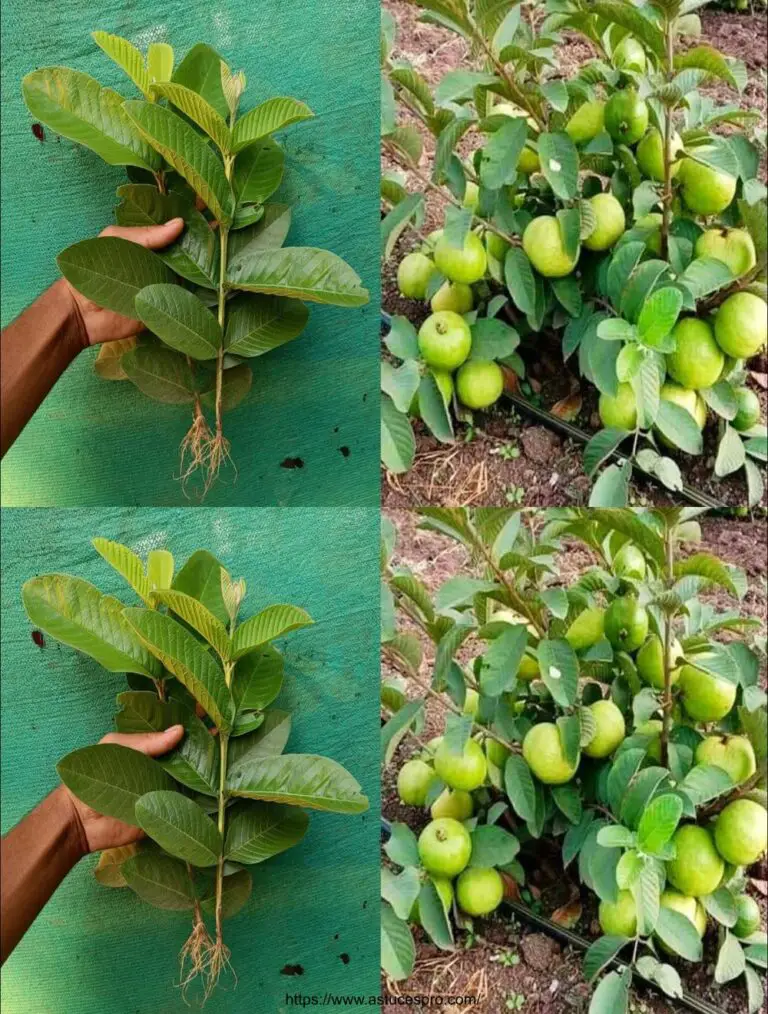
(227, 797)
(619, 716)
(617, 209)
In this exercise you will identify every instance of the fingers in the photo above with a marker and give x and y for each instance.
(151, 743)
(153, 237)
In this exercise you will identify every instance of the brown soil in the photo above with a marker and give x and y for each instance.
(506, 958)
(492, 462)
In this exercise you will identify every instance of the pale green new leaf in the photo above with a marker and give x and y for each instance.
(318, 783)
(198, 110)
(265, 119)
(258, 171)
(257, 831)
(126, 56)
(160, 373)
(257, 324)
(318, 276)
(160, 61)
(78, 614)
(180, 827)
(180, 320)
(272, 622)
(126, 563)
(257, 679)
(198, 617)
(200, 71)
(160, 568)
(200, 577)
(159, 880)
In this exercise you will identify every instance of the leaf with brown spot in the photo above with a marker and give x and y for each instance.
(568, 915)
(568, 408)
(511, 380)
(511, 888)
(107, 363)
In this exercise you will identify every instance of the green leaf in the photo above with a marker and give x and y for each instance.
(499, 666)
(501, 153)
(398, 951)
(179, 826)
(392, 732)
(160, 373)
(318, 783)
(198, 110)
(127, 564)
(620, 13)
(200, 577)
(198, 617)
(433, 916)
(189, 155)
(112, 271)
(704, 782)
(159, 880)
(245, 722)
(519, 278)
(160, 564)
(301, 273)
(708, 59)
(730, 453)
(721, 905)
(612, 487)
(126, 56)
(160, 61)
(268, 740)
(78, 614)
(679, 934)
(398, 444)
(274, 621)
(704, 275)
(659, 315)
(730, 959)
(272, 115)
(257, 831)
(616, 836)
(77, 107)
(755, 990)
(257, 324)
(679, 427)
(111, 778)
(257, 679)
(447, 140)
(560, 164)
(402, 846)
(492, 846)
(432, 408)
(401, 890)
(707, 566)
(400, 383)
(200, 71)
(600, 954)
(658, 823)
(180, 320)
(612, 993)
(559, 670)
(189, 662)
(519, 785)
(258, 171)
(268, 233)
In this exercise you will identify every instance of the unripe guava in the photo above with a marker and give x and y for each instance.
(741, 325)
(706, 698)
(697, 867)
(626, 623)
(543, 753)
(619, 411)
(629, 55)
(413, 782)
(496, 752)
(734, 754)
(453, 296)
(479, 890)
(619, 918)
(464, 771)
(629, 562)
(587, 629)
(650, 663)
(452, 803)
(697, 361)
(705, 191)
(444, 847)
(445, 340)
(609, 732)
(543, 245)
(748, 916)
(626, 116)
(465, 265)
(471, 196)
(609, 222)
(586, 123)
(479, 383)
(650, 154)
(741, 832)
(734, 247)
(748, 413)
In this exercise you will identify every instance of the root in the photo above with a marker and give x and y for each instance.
(195, 955)
(218, 962)
(194, 449)
(216, 454)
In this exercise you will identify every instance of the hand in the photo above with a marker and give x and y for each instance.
(100, 325)
(97, 831)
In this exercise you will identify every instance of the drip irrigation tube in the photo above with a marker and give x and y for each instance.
(567, 429)
(565, 936)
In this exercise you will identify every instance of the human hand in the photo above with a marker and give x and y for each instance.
(99, 832)
(100, 325)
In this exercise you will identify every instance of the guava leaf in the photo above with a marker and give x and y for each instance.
(400, 383)
(180, 320)
(268, 740)
(160, 61)
(559, 670)
(398, 951)
(108, 363)
(257, 679)
(236, 892)
(200, 71)
(258, 171)
(433, 916)
(398, 444)
(76, 106)
(269, 233)
(301, 273)
(401, 890)
(107, 871)
(200, 577)
(272, 115)
(198, 110)
(112, 271)
(245, 722)
(679, 934)
(111, 778)
(160, 564)
(257, 324)
(502, 152)
(180, 827)
(559, 161)
(159, 880)
(492, 846)
(432, 407)
(272, 622)
(189, 662)
(126, 56)
(161, 374)
(299, 780)
(198, 616)
(658, 823)
(679, 426)
(257, 831)
(126, 563)
(519, 784)
(76, 613)
(601, 953)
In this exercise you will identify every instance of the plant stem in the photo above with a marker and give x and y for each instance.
(666, 201)
(223, 744)
(668, 617)
(223, 238)
(515, 93)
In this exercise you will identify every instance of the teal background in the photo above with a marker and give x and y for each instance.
(99, 442)
(94, 949)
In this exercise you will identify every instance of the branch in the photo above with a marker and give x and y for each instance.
(667, 706)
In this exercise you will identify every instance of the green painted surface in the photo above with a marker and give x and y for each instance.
(95, 949)
(101, 443)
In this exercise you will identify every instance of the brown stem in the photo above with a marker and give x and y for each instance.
(666, 202)
(667, 704)
(517, 95)
(517, 602)
(718, 804)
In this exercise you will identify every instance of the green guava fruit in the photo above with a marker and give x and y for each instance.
(444, 889)
(453, 296)
(587, 629)
(431, 241)
(705, 191)
(697, 361)
(471, 702)
(479, 890)
(629, 562)
(444, 847)
(733, 247)
(471, 196)
(626, 116)
(414, 274)
(651, 221)
(700, 412)
(748, 916)
(748, 413)
(529, 161)
(586, 123)
(543, 753)
(700, 919)
(496, 245)
(650, 663)
(466, 265)
(529, 667)
(653, 728)
(650, 154)
(618, 411)
(687, 906)
(741, 832)
(706, 698)
(741, 325)
(618, 918)
(609, 222)
(543, 245)
(626, 623)
(445, 340)
(609, 732)
(734, 754)
(697, 867)
(629, 55)
(479, 383)
(496, 752)
(456, 804)
(464, 771)
(413, 782)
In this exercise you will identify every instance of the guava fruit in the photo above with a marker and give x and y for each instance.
(444, 889)
(618, 918)
(609, 732)
(543, 753)
(586, 123)
(697, 361)
(697, 867)
(650, 154)
(706, 698)
(682, 396)
(618, 411)
(445, 340)
(705, 191)
(453, 296)
(543, 245)
(413, 275)
(529, 668)
(653, 728)
(529, 161)
(650, 663)
(456, 804)
(629, 562)
(496, 753)
(734, 754)
(432, 746)
(431, 241)
(652, 221)
(609, 222)
(748, 916)
(496, 245)
(733, 247)
(471, 196)
(700, 919)
(691, 908)
(444, 381)
(741, 832)
(700, 412)
(479, 383)
(629, 55)
(413, 782)
(626, 623)
(741, 325)
(479, 890)
(466, 265)
(748, 413)
(464, 771)
(587, 629)
(444, 847)
(471, 702)
(626, 116)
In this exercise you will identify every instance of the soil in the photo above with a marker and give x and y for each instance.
(504, 958)
(493, 462)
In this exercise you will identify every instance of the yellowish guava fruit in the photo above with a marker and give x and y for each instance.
(529, 667)
(455, 296)
(651, 221)
(734, 247)
(650, 154)
(609, 222)
(496, 752)
(618, 918)
(471, 702)
(618, 411)
(609, 732)
(471, 196)
(741, 832)
(453, 803)
(734, 754)
(445, 340)
(587, 629)
(629, 562)
(741, 325)
(543, 753)
(706, 698)
(705, 191)
(413, 275)
(629, 55)
(650, 663)
(653, 728)
(413, 782)
(479, 890)
(697, 867)
(465, 265)
(461, 771)
(444, 847)
(479, 383)
(697, 361)
(543, 245)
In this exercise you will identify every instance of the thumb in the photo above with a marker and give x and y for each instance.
(151, 743)
(153, 237)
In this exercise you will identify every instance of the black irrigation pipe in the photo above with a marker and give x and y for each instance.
(567, 429)
(565, 936)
